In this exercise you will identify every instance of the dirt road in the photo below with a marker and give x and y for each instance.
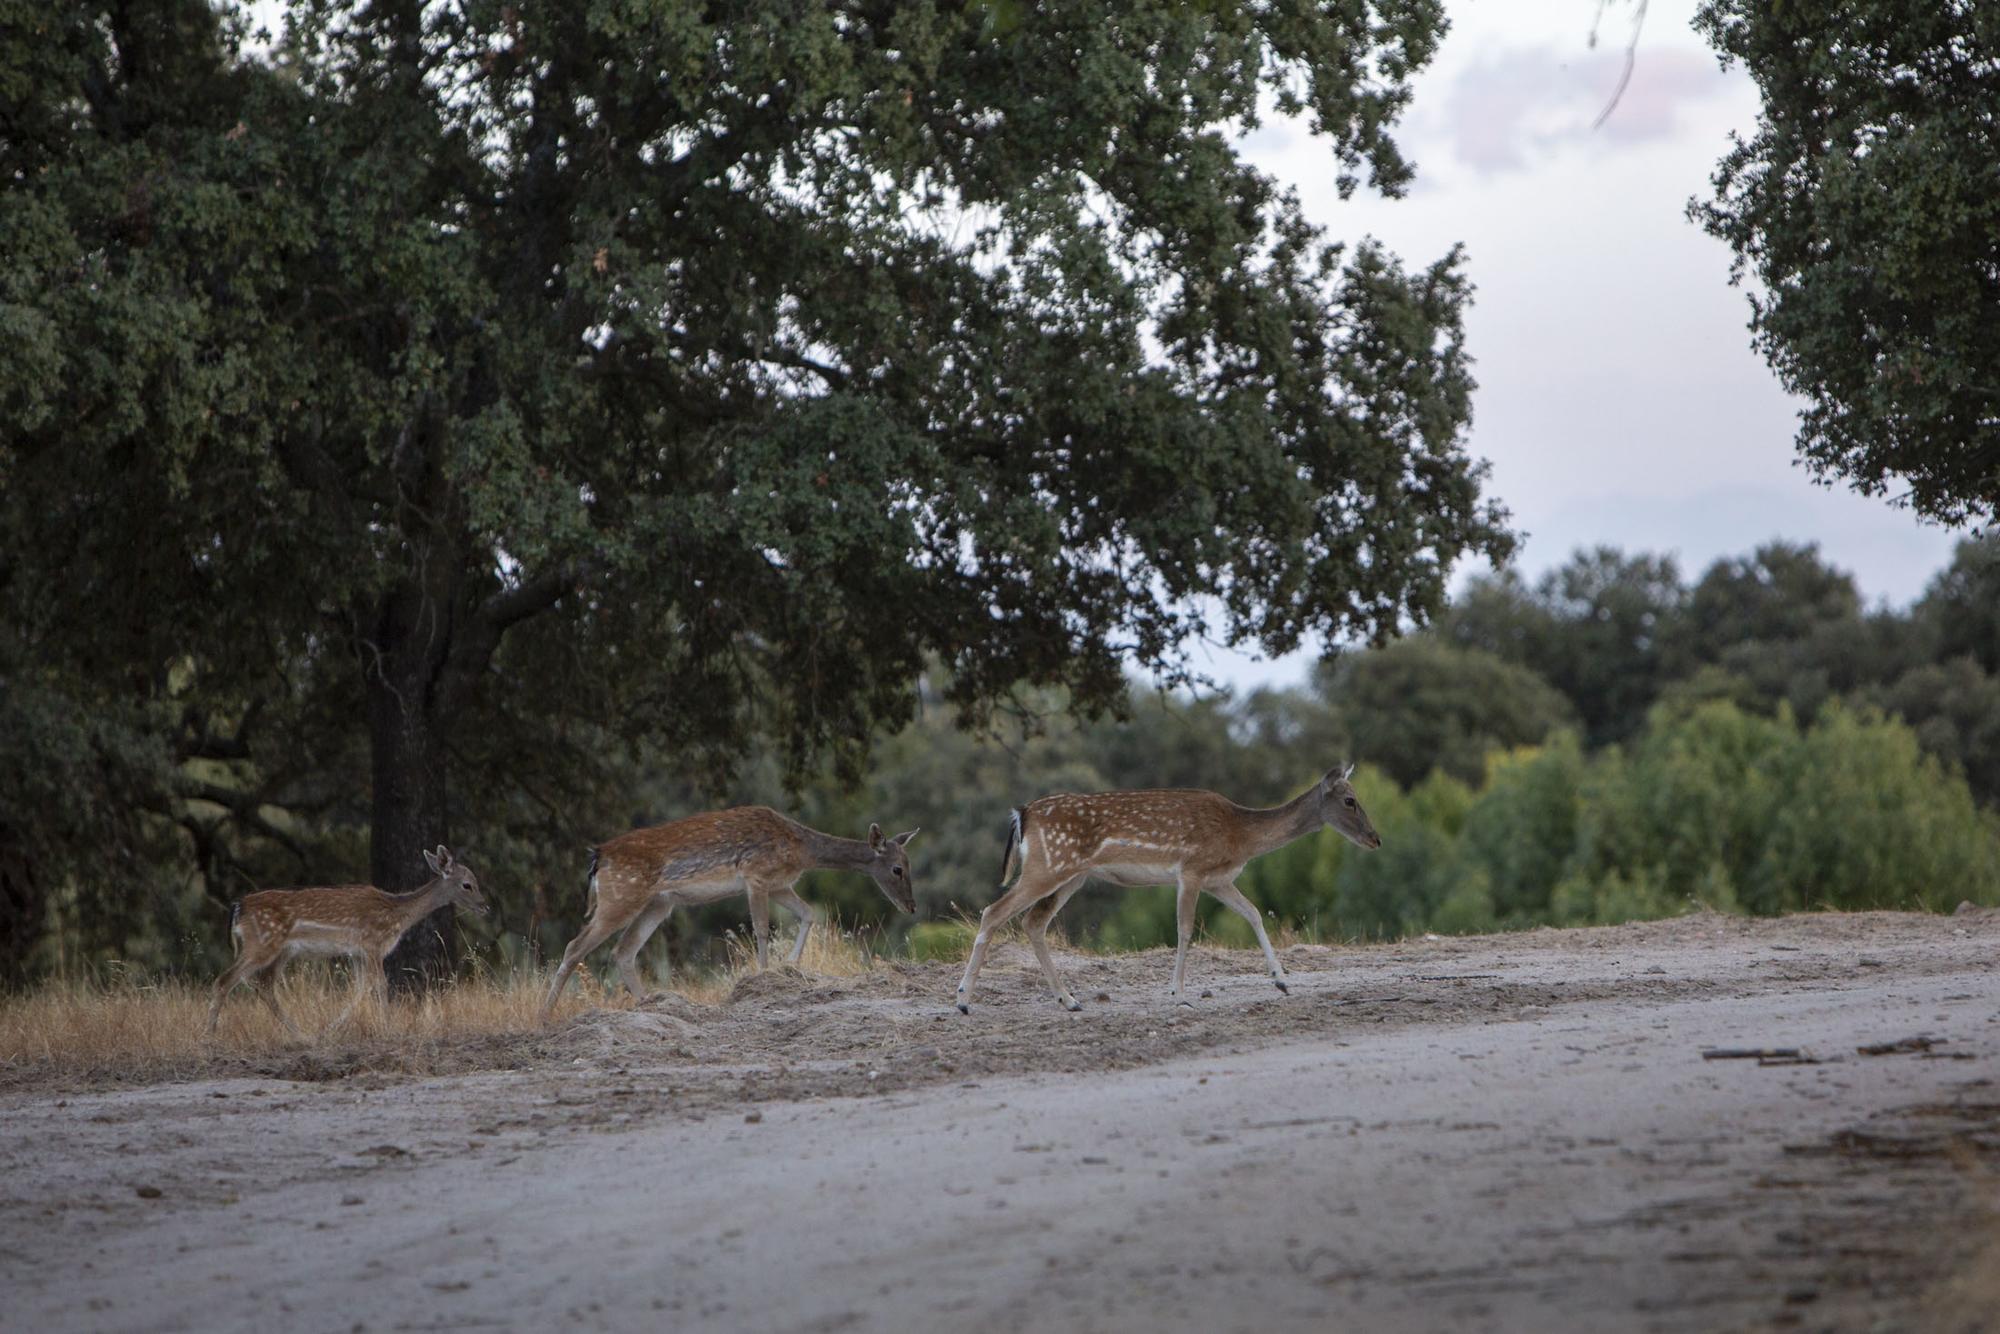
(1510, 1132)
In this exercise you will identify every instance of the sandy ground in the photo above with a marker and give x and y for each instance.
(1509, 1132)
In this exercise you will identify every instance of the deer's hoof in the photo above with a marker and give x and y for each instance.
(1281, 985)
(1071, 1003)
(964, 1008)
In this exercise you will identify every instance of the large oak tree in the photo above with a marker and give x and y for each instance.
(445, 379)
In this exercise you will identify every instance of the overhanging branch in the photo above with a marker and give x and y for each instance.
(475, 646)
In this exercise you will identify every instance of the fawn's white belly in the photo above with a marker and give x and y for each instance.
(695, 892)
(317, 940)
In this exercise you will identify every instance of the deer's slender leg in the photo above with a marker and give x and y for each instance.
(595, 932)
(760, 921)
(636, 935)
(1232, 898)
(1037, 922)
(368, 978)
(378, 980)
(1027, 890)
(355, 999)
(1185, 895)
(223, 986)
(265, 983)
(808, 918)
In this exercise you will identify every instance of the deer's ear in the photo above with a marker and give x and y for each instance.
(431, 860)
(1347, 771)
(875, 836)
(903, 840)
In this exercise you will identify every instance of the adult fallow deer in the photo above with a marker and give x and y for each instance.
(638, 879)
(1185, 837)
(357, 922)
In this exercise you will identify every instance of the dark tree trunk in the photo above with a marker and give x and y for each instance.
(406, 730)
(23, 914)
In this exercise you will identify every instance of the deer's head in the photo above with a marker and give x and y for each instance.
(464, 887)
(1339, 807)
(891, 867)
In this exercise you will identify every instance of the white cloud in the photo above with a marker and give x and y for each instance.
(1512, 107)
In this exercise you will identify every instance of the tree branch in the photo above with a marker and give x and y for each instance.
(473, 648)
(513, 605)
(243, 807)
(1631, 58)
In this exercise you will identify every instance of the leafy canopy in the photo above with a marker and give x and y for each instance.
(1864, 206)
(768, 350)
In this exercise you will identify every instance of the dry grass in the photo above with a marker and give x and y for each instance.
(829, 953)
(122, 1030)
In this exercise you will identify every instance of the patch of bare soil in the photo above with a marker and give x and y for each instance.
(1476, 1132)
(894, 1027)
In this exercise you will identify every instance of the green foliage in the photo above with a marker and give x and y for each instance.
(1697, 799)
(1864, 207)
(1617, 896)
(1954, 708)
(939, 940)
(1596, 628)
(1617, 636)
(1960, 611)
(82, 793)
(1424, 704)
(1781, 592)
(1871, 822)
(1523, 829)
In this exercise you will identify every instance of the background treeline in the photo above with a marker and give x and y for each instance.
(1607, 742)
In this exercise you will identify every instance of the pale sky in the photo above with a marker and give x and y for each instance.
(1619, 400)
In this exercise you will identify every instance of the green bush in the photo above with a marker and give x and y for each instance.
(1613, 897)
(1523, 828)
(1873, 822)
(940, 940)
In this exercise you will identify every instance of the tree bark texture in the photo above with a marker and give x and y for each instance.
(407, 726)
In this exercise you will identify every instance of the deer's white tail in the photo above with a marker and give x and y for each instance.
(1010, 860)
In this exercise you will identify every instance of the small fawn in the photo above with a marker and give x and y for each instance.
(638, 879)
(357, 922)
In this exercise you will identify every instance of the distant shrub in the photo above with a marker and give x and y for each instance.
(1523, 828)
(1873, 822)
(1143, 919)
(939, 940)
(1615, 897)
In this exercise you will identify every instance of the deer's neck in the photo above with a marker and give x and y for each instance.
(838, 854)
(1273, 828)
(421, 903)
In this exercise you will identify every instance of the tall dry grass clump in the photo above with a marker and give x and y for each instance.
(119, 1028)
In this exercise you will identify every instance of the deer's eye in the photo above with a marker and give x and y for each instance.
(1348, 802)
(895, 870)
